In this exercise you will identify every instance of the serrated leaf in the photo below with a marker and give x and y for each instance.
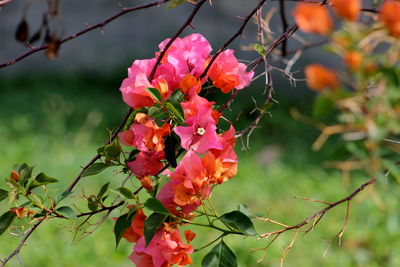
(41, 179)
(95, 169)
(59, 197)
(67, 212)
(103, 190)
(3, 194)
(125, 192)
(155, 94)
(175, 109)
(240, 221)
(151, 225)
(155, 205)
(123, 222)
(220, 256)
(6, 220)
(171, 142)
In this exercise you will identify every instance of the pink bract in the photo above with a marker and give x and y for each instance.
(146, 163)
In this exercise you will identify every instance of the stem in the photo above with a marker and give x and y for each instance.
(210, 243)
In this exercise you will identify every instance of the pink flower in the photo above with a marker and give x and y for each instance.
(189, 184)
(188, 55)
(200, 134)
(145, 134)
(165, 249)
(227, 73)
(134, 87)
(146, 163)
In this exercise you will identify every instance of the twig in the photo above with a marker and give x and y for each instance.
(234, 36)
(21, 243)
(284, 24)
(88, 29)
(109, 209)
(321, 212)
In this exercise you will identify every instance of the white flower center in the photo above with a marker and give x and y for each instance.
(200, 131)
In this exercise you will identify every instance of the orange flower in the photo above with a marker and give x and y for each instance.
(14, 175)
(136, 230)
(189, 82)
(353, 59)
(347, 9)
(319, 78)
(18, 211)
(390, 16)
(313, 18)
(147, 183)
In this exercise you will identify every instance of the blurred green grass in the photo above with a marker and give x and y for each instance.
(56, 123)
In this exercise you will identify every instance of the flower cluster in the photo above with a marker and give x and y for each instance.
(209, 157)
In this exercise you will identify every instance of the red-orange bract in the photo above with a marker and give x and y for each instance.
(320, 78)
(313, 18)
(390, 16)
(347, 9)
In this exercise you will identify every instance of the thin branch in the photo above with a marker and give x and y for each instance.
(284, 24)
(234, 36)
(321, 212)
(88, 29)
(109, 209)
(21, 243)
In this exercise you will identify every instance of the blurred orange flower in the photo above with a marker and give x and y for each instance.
(390, 16)
(313, 18)
(320, 78)
(347, 9)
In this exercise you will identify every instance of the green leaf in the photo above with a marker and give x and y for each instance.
(6, 220)
(259, 49)
(155, 94)
(131, 119)
(176, 96)
(243, 208)
(59, 197)
(322, 107)
(155, 205)
(92, 204)
(175, 109)
(220, 256)
(103, 190)
(113, 150)
(171, 142)
(175, 3)
(132, 155)
(25, 172)
(123, 222)
(239, 221)
(95, 169)
(151, 225)
(67, 212)
(125, 192)
(41, 179)
(3, 194)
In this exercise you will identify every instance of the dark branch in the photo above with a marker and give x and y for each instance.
(88, 29)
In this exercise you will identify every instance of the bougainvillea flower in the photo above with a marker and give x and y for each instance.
(320, 78)
(18, 211)
(133, 88)
(222, 164)
(190, 85)
(188, 55)
(227, 73)
(136, 230)
(145, 134)
(313, 18)
(200, 134)
(146, 163)
(347, 9)
(353, 59)
(389, 16)
(165, 249)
